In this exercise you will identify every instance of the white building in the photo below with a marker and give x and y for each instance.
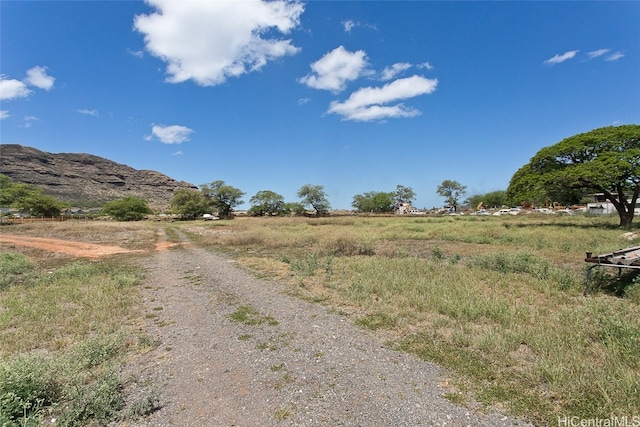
(602, 206)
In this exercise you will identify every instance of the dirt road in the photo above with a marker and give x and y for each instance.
(284, 362)
(295, 364)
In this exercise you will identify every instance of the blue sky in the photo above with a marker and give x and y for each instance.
(356, 96)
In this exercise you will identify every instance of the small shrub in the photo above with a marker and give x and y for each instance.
(14, 269)
(99, 401)
(144, 405)
(437, 253)
(632, 293)
(306, 266)
(95, 352)
(27, 384)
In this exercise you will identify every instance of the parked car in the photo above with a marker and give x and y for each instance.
(209, 217)
(565, 212)
(512, 211)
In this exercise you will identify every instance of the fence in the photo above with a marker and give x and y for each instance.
(21, 220)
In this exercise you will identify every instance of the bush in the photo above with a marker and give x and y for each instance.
(80, 386)
(27, 385)
(127, 209)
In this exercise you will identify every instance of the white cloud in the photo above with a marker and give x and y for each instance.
(348, 25)
(174, 134)
(178, 153)
(37, 76)
(426, 65)
(303, 101)
(93, 113)
(371, 103)
(335, 69)
(136, 53)
(210, 41)
(557, 59)
(391, 72)
(28, 120)
(615, 56)
(597, 53)
(4, 114)
(12, 89)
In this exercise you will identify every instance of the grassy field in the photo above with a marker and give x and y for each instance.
(498, 301)
(65, 328)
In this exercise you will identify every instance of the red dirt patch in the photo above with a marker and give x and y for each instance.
(78, 249)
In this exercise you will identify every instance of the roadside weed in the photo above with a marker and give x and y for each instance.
(250, 316)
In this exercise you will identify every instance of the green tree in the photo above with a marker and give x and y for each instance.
(222, 197)
(266, 202)
(129, 208)
(488, 200)
(522, 188)
(189, 203)
(295, 208)
(604, 160)
(403, 194)
(451, 191)
(374, 201)
(38, 204)
(27, 198)
(314, 196)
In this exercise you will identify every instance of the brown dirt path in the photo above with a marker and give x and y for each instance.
(78, 249)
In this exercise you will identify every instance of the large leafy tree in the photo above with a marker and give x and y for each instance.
(374, 201)
(266, 202)
(129, 208)
(27, 198)
(604, 160)
(314, 196)
(403, 194)
(451, 191)
(222, 197)
(189, 203)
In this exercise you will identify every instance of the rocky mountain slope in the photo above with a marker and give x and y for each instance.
(84, 179)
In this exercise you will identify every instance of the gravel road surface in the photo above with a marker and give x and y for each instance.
(304, 365)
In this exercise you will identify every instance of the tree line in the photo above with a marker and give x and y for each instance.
(604, 160)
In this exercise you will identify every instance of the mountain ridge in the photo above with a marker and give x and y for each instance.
(83, 179)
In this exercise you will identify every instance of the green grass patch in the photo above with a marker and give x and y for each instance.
(250, 316)
(62, 340)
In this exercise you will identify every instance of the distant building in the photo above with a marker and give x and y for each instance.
(602, 206)
(407, 209)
